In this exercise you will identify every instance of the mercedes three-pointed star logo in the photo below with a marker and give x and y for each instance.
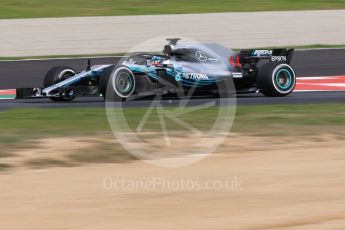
(201, 56)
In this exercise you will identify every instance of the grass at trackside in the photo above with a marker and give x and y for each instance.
(66, 8)
(19, 124)
(314, 46)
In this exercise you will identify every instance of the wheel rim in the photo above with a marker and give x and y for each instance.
(65, 74)
(284, 79)
(123, 82)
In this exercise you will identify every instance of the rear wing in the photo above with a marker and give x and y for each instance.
(274, 55)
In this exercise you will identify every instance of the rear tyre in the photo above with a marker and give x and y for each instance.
(276, 79)
(56, 75)
(117, 83)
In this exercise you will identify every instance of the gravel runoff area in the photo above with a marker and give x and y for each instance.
(97, 35)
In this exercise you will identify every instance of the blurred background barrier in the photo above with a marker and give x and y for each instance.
(115, 34)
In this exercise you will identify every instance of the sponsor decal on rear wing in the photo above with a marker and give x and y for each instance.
(274, 55)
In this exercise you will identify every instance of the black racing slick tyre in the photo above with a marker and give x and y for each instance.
(56, 75)
(117, 83)
(276, 79)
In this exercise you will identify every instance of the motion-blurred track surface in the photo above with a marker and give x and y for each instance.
(250, 99)
(307, 63)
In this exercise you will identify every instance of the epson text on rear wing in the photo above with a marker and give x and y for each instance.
(273, 55)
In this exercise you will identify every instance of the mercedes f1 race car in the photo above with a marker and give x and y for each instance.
(208, 68)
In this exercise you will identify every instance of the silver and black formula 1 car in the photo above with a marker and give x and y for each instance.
(206, 67)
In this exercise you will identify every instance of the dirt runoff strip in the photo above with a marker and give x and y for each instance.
(80, 151)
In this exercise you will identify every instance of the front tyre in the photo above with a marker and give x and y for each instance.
(276, 79)
(56, 75)
(117, 83)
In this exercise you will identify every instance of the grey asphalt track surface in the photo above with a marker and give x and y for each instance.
(17, 74)
(250, 99)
